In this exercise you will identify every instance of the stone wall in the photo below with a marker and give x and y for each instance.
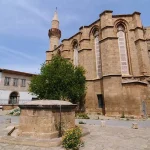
(45, 122)
(110, 83)
(133, 95)
(9, 107)
(112, 91)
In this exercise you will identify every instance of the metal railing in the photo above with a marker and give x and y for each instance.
(7, 101)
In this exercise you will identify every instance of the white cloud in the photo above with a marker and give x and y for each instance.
(67, 18)
(21, 18)
(16, 53)
(28, 7)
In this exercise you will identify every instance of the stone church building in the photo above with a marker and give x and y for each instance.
(115, 52)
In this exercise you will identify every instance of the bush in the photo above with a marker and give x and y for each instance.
(72, 138)
(122, 116)
(81, 122)
(15, 111)
(82, 116)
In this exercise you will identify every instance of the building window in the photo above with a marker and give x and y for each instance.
(15, 82)
(100, 101)
(55, 46)
(123, 50)
(13, 98)
(23, 82)
(97, 55)
(75, 58)
(7, 81)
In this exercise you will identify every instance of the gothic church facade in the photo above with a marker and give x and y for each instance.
(115, 52)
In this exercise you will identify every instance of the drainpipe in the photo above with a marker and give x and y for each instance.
(60, 134)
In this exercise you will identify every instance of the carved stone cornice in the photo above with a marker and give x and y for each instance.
(139, 40)
(65, 50)
(106, 27)
(136, 80)
(49, 51)
(106, 11)
(136, 28)
(84, 49)
(84, 40)
(108, 38)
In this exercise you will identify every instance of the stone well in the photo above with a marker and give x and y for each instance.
(41, 118)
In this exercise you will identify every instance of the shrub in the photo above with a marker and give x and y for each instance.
(15, 111)
(99, 113)
(72, 138)
(81, 122)
(132, 117)
(123, 116)
(82, 116)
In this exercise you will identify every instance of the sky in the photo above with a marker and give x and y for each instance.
(24, 26)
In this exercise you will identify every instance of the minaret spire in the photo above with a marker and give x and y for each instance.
(56, 15)
(54, 33)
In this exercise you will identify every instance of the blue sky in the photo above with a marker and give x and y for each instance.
(24, 25)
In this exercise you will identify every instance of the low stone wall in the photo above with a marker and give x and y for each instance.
(44, 121)
(8, 107)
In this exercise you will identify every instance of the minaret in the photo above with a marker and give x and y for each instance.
(54, 33)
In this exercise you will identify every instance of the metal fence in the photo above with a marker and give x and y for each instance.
(6, 101)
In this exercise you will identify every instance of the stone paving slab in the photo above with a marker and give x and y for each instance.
(117, 135)
(116, 123)
(103, 138)
(55, 142)
(30, 142)
(117, 138)
(24, 141)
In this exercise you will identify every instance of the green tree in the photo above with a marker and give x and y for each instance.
(60, 80)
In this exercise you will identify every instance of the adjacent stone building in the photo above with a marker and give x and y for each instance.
(115, 52)
(14, 87)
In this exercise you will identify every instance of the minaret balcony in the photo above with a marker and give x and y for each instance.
(54, 32)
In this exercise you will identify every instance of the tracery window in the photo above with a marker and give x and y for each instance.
(123, 50)
(75, 59)
(97, 54)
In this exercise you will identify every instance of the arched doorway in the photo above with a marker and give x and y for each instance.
(14, 98)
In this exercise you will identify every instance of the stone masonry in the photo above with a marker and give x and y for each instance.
(112, 92)
(42, 119)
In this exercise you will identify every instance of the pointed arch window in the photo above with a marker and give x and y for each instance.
(75, 57)
(97, 54)
(123, 50)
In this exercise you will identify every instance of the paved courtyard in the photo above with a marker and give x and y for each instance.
(117, 135)
(117, 138)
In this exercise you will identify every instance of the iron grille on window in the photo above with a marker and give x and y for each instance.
(15, 83)
(23, 82)
(7, 81)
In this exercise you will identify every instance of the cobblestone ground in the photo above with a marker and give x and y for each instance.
(103, 138)
(117, 138)
(117, 135)
(20, 147)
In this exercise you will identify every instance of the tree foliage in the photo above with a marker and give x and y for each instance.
(59, 79)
